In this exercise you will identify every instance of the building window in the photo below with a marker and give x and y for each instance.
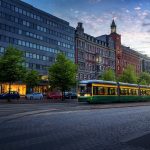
(20, 31)
(34, 56)
(27, 54)
(118, 68)
(27, 44)
(20, 10)
(37, 56)
(44, 57)
(16, 9)
(38, 66)
(19, 42)
(27, 65)
(2, 49)
(23, 43)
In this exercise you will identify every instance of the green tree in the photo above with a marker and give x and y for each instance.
(143, 82)
(62, 74)
(11, 66)
(144, 78)
(108, 75)
(128, 75)
(31, 79)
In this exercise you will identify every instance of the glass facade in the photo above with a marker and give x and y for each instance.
(38, 34)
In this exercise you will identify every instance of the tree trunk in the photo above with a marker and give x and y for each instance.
(9, 91)
(63, 98)
(64, 94)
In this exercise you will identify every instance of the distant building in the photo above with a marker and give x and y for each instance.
(145, 63)
(131, 57)
(93, 55)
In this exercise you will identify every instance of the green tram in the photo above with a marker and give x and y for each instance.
(100, 91)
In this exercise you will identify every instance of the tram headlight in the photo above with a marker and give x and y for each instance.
(86, 94)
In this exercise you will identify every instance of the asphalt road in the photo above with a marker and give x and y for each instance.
(66, 127)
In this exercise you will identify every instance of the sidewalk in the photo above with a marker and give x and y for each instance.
(25, 101)
(75, 103)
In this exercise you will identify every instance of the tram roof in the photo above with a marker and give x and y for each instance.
(97, 81)
(112, 82)
(144, 86)
(128, 84)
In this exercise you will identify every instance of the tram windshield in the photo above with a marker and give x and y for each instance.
(84, 90)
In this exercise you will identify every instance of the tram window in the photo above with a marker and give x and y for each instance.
(104, 91)
(98, 90)
(112, 91)
(124, 91)
(133, 92)
(143, 92)
(148, 92)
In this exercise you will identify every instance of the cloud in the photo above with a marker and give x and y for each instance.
(132, 25)
(127, 11)
(146, 24)
(137, 8)
(76, 12)
(137, 40)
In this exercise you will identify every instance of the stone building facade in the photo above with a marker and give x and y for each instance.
(93, 55)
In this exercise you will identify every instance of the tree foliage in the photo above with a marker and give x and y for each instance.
(108, 75)
(128, 75)
(144, 78)
(11, 66)
(31, 79)
(62, 74)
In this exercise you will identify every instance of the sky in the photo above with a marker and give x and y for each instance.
(132, 18)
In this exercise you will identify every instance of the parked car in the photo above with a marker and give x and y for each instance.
(73, 95)
(11, 95)
(34, 95)
(70, 95)
(54, 95)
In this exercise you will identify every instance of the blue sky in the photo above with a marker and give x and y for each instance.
(131, 16)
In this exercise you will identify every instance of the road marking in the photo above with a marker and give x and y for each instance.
(23, 114)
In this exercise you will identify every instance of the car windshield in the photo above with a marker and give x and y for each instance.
(36, 93)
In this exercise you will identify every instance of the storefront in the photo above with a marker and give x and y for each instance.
(20, 88)
(41, 88)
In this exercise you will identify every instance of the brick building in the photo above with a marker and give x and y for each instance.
(124, 55)
(131, 57)
(118, 49)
